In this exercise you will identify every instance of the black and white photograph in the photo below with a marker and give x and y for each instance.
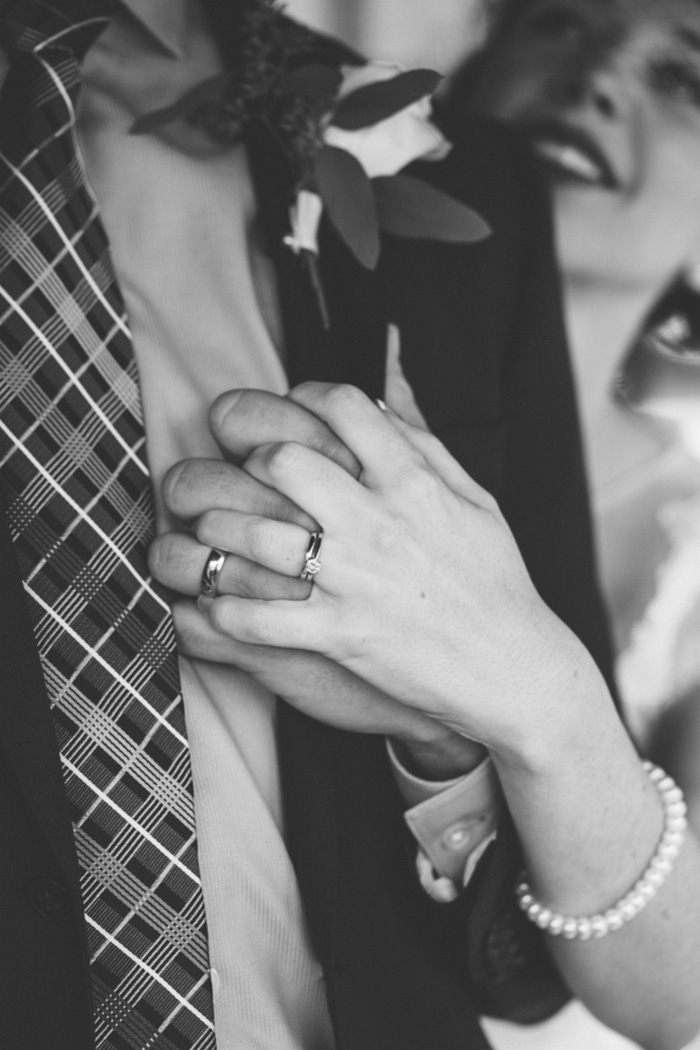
(350, 524)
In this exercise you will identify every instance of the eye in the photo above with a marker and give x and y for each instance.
(558, 23)
(677, 79)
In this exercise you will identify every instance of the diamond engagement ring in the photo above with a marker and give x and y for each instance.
(211, 572)
(312, 564)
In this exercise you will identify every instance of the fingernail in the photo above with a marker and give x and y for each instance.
(204, 603)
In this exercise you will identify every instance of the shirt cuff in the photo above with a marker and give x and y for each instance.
(452, 821)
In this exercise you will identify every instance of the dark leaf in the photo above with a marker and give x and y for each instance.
(380, 100)
(410, 207)
(347, 194)
(314, 82)
(206, 91)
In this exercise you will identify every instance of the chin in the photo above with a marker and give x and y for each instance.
(606, 244)
(590, 250)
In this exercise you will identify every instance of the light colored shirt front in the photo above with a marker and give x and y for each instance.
(200, 296)
(181, 226)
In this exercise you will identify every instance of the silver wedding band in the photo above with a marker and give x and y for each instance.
(312, 564)
(211, 572)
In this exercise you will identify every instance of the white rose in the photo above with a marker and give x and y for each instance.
(304, 217)
(382, 149)
(388, 146)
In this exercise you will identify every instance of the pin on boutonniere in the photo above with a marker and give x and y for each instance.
(347, 134)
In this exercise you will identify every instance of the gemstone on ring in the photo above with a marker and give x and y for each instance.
(312, 563)
(211, 572)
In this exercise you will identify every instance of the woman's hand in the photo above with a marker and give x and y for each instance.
(423, 599)
(225, 507)
(331, 694)
(422, 591)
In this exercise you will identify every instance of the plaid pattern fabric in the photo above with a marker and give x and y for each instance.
(73, 470)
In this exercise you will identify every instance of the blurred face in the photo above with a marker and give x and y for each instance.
(607, 93)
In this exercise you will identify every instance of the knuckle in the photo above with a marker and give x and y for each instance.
(422, 483)
(433, 443)
(490, 504)
(388, 535)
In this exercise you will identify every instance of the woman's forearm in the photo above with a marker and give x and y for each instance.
(590, 820)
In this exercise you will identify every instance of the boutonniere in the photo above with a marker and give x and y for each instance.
(347, 134)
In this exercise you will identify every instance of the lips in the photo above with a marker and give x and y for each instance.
(570, 153)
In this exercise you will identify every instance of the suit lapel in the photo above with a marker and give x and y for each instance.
(352, 350)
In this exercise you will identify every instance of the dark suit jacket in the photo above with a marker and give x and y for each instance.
(483, 347)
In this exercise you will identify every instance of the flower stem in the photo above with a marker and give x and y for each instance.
(311, 261)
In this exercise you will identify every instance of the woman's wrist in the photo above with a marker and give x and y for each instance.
(640, 894)
(561, 699)
(587, 816)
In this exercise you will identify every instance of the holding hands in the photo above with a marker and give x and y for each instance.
(422, 624)
(422, 610)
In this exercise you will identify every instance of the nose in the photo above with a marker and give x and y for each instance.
(601, 85)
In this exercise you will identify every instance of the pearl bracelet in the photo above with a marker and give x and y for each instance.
(654, 876)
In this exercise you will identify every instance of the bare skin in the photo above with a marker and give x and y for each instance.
(608, 96)
(414, 644)
(199, 493)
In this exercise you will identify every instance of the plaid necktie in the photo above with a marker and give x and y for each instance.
(73, 468)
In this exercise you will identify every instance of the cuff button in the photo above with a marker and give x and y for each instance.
(457, 837)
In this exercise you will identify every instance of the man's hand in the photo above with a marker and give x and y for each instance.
(222, 504)
(225, 507)
(422, 591)
(330, 693)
